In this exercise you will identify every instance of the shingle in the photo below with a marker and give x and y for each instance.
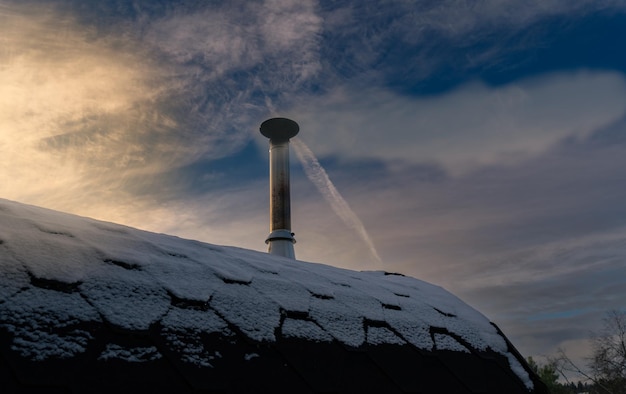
(92, 306)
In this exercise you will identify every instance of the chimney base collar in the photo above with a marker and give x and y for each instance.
(280, 234)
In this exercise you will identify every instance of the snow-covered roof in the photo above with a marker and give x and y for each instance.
(62, 275)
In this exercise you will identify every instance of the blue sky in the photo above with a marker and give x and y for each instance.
(480, 143)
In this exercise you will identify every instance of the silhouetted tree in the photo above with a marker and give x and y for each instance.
(607, 364)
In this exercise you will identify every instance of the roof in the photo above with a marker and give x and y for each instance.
(92, 306)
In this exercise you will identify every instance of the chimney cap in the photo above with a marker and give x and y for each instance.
(279, 129)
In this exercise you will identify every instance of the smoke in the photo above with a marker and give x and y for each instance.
(316, 174)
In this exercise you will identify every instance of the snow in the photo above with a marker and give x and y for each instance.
(254, 315)
(345, 324)
(64, 271)
(31, 316)
(131, 354)
(183, 329)
(519, 370)
(296, 328)
(382, 335)
(133, 303)
(250, 356)
(446, 342)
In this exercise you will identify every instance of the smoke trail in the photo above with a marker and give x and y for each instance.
(316, 173)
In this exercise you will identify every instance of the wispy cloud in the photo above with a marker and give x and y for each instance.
(242, 36)
(473, 125)
(316, 174)
(95, 110)
(71, 107)
(459, 17)
(416, 39)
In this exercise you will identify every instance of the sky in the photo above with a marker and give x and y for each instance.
(477, 145)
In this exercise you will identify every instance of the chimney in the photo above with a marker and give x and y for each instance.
(279, 131)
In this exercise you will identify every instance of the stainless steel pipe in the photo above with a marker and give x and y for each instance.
(279, 131)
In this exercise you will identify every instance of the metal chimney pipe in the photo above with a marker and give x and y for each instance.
(279, 131)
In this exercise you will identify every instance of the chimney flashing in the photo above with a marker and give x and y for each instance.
(280, 234)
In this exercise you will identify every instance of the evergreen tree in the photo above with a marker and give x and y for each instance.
(549, 375)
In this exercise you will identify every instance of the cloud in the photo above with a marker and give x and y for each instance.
(317, 175)
(471, 126)
(87, 117)
(95, 123)
(560, 300)
(457, 18)
(101, 106)
(67, 103)
(278, 41)
(409, 42)
(571, 190)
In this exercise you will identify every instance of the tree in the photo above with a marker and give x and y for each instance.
(608, 361)
(607, 364)
(549, 375)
